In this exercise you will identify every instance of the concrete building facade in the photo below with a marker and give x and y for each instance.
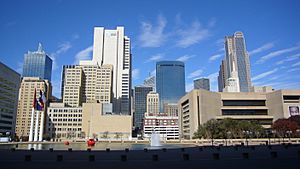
(64, 122)
(153, 103)
(87, 82)
(25, 101)
(199, 106)
(97, 125)
(9, 90)
(166, 126)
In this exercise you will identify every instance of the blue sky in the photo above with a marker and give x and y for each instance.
(190, 31)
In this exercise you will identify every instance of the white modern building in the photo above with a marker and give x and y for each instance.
(113, 47)
(232, 83)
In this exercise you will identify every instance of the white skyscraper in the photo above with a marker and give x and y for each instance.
(235, 53)
(232, 83)
(113, 47)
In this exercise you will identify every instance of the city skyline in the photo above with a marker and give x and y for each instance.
(190, 32)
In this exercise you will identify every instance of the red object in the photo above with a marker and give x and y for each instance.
(66, 142)
(91, 142)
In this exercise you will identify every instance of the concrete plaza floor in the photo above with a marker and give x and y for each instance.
(218, 157)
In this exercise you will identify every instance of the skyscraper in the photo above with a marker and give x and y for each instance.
(152, 103)
(9, 90)
(37, 64)
(86, 83)
(113, 47)
(140, 104)
(26, 97)
(202, 83)
(236, 54)
(170, 81)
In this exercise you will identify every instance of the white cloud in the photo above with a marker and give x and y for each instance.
(195, 73)
(262, 75)
(152, 36)
(135, 74)
(213, 77)
(192, 35)
(185, 58)
(276, 53)
(287, 85)
(84, 54)
(62, 48)
(155, 58)
(294, 69)
(262, 48)
(289, 58)
(296, 64)
(214, 57)
(75, 36)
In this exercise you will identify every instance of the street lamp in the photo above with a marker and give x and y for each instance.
(246, 133)
(227, 135)
(289, 132)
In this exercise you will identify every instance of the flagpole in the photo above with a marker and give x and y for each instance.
(31, 126)
(36, 126)
(42, 126)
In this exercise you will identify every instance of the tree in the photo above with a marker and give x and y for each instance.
(281, 126)
(228, 128)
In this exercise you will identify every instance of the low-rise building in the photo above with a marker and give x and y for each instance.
(64, 122)
(95, 124)
(199, 106)
(166, 126)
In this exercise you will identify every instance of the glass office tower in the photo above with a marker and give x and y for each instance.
(170, 81)
(140, 104)
(37, 64)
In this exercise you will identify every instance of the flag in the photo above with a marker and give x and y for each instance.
(44, 94)
(40, 102)
(34, 103)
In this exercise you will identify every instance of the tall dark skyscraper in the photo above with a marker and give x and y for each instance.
(170, 81)
(236, 57)
(140, 104)
(37, 64)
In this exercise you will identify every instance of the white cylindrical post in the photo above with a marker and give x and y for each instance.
(42, 126)
(36, 131)
(31, 125)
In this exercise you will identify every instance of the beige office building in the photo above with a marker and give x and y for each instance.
(171, 109)
(199, 106)
(87, 82)
(26, 96)
(152, 103)
(64, 122)
(97, 125)
(9, 90)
